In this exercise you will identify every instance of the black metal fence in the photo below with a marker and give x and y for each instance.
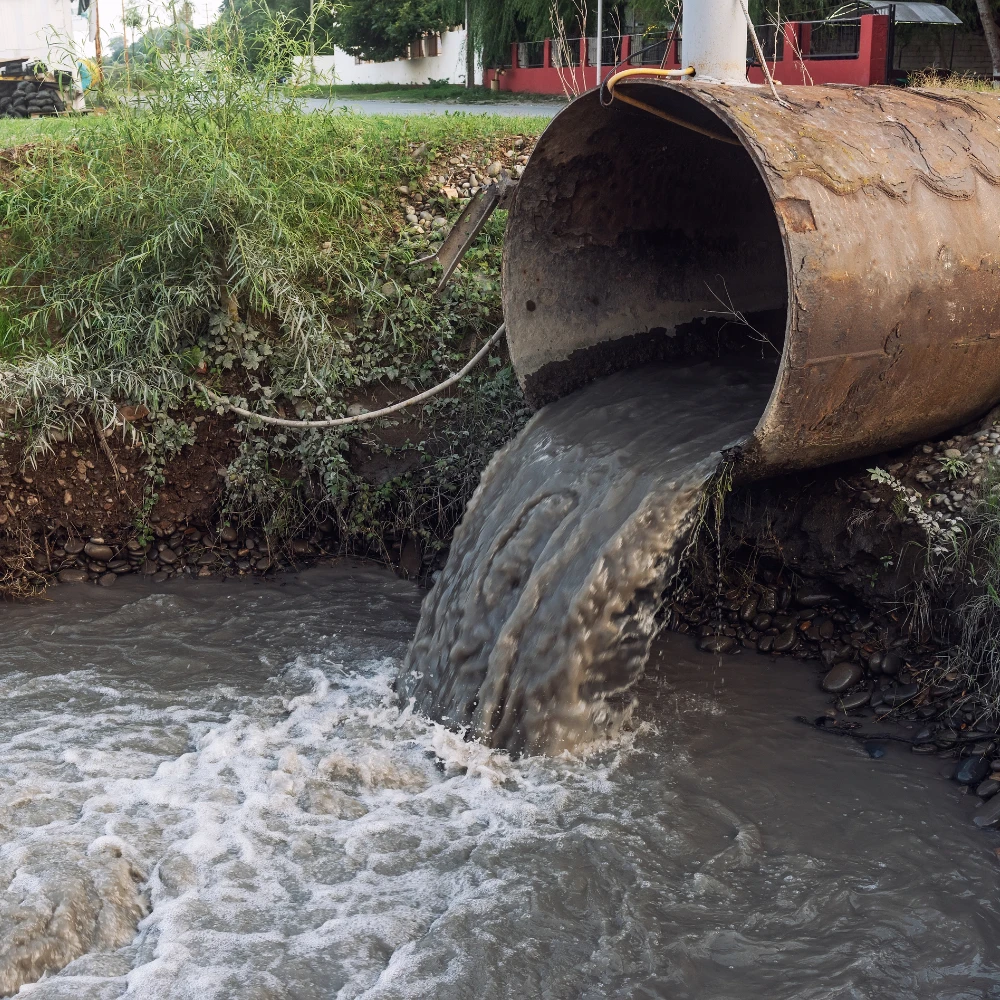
(649, 49)
(831, 39)
(565, 52)
(772, 43)
(531, 55)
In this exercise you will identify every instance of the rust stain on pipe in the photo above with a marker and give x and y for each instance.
(853, 237)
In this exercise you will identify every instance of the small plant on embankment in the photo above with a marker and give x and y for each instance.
(953, 499)
(210, 233)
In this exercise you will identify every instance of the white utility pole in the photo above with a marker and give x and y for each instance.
(600, 38)
(714, 36)
(312, 41)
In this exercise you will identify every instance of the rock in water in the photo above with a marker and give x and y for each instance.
(989, 814)
(841, 677)
(972, 770)
(716, 643)
(538, 629)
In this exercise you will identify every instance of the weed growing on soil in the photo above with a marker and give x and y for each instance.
(973, 572)
(212, 232)
(943, 532)
(929, 80)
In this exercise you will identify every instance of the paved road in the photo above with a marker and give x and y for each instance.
(539, 110)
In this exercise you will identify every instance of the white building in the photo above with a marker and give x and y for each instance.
(38, 29)
(434, 57)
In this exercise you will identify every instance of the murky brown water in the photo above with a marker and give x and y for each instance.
(536, 632)
(229, 761)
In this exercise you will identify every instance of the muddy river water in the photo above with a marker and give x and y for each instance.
(207, 790)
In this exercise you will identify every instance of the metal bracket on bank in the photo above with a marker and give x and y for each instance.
(470, 223)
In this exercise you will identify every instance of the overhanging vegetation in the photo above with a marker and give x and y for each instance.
(213, 233)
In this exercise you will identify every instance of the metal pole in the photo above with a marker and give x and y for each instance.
(600, 38)
(98, 54)
(128, 76)
(312, 41)
(470, 55)
(714, 33)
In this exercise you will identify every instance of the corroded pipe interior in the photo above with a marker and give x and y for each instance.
(636, 239)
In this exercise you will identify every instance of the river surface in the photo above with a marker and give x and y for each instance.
(208, 791)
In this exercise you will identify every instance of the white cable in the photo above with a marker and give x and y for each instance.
(372, 414)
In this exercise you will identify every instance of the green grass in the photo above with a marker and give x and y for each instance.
(122, 245)
(221, 236)
(15, 131)
(438, 92)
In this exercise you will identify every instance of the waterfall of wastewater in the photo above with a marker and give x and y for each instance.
(536, 632)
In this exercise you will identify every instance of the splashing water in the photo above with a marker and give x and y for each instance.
(214, 791)
(537, 631)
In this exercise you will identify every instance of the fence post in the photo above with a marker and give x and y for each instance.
(547, 53)
(513, 55)
(873, 47)
(626, 48)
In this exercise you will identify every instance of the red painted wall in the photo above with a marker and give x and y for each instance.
(868, 69)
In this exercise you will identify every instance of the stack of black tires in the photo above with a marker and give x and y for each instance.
(31, 98)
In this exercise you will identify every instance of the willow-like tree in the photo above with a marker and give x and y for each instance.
(382, 29)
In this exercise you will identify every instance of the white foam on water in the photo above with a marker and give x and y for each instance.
(293, 832)
(305, 841)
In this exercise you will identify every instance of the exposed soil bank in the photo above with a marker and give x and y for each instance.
(91, 512)
(834, 525)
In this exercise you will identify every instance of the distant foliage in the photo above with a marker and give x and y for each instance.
(382, 29)
(311, 25)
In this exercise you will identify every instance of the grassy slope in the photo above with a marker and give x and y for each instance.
(267, 256)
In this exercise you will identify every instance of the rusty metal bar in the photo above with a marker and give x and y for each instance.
(469, 225)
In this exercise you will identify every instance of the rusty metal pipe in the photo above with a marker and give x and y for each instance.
(853, 237)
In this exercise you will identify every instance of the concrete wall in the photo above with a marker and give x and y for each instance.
(448, 64)
(28, 26)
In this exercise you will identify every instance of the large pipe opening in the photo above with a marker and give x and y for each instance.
(637, 239)
(816, 232)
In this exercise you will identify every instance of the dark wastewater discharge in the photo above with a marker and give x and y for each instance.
(213, 790)
(536, 632)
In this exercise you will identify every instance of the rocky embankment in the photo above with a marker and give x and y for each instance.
(862, 572)
(91, 513)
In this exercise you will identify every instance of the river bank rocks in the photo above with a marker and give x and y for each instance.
(452, 180)
(870, 665)
(174, 552)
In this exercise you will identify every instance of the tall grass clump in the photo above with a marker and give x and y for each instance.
(208, 194)
(972, 575)
(930, 80)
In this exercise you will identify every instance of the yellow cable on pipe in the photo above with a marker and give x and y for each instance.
(625, 74)
(648, 71)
